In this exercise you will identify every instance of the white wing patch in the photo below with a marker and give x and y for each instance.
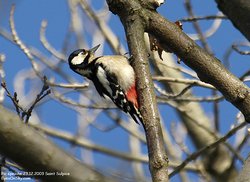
(103, 79)
(119, 66)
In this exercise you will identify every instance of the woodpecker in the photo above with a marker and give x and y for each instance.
(113, 76)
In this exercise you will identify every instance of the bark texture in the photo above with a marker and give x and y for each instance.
(134, 28)
(35, 153)
(208, 68)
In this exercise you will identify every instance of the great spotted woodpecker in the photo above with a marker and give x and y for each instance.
(112, 76)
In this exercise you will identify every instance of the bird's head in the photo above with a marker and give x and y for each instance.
(80, 59)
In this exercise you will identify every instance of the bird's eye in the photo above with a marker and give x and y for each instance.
(83, 53)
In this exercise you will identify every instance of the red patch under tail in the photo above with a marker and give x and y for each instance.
(132, 96)
(133, 111)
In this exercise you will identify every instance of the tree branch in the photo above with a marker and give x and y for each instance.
(31, 150)
(128, 11)
(208, 68)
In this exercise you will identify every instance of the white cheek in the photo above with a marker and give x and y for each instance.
(78, 60)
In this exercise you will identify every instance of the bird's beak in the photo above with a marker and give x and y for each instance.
(94, 48)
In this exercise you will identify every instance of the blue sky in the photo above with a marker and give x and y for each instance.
(28, 17)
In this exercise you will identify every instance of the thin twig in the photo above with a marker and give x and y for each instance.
(88, 144)
(35, 53)
(47, 45)
(179, 68)
(57, 70)
(247, 73)
(178, 96)
(170, 95)
(71, 86)
(237, 49)
(208, 17)
(239, 147)
(202, 150)
(8, 165)
(2, 77)
(21, 112)
(44, 92)
(21, 45)
(184, 81)
(179, 140)
(161, 99)
(14, 99)
(109, 35)
(61, 98)
(80, 141)
(197, 27)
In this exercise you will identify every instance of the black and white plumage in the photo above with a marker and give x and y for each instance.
(112, 76)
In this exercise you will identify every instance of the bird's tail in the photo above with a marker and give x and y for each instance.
(136, 115)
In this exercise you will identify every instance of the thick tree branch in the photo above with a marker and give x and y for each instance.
(208, 68)
(31, 150)
(238, 12)
(128, 11)
(157, 154)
